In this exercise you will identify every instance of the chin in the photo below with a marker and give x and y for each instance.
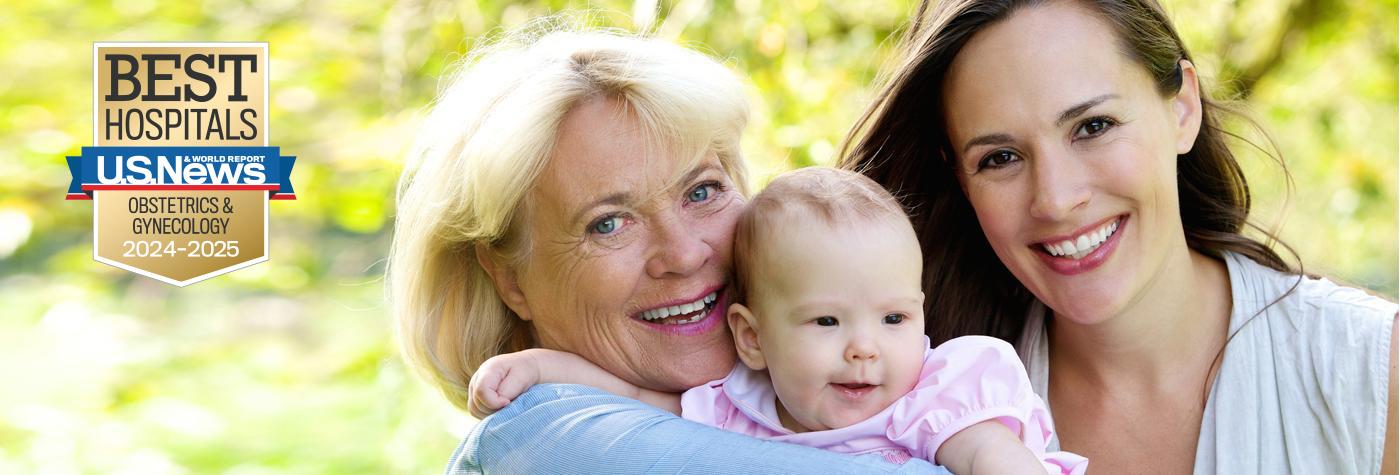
(1085, 307)
(699, 368)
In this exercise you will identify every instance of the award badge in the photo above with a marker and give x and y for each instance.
(180, 173)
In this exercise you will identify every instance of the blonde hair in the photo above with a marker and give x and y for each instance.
(488, 138)
(836, 196)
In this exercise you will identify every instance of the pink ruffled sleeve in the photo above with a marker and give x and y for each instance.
(713, 404)
(707, 404)
(969, 380)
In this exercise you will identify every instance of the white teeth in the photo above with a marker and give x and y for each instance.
(682, 309)
(1067, 247)
(1084, 244)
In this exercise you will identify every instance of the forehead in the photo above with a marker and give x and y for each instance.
(1034, 64)
(602, 150)
(601, 142)
(801, 254)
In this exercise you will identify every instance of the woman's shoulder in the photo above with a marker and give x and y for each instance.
(1306, 303)
(512, 437)
(1322, 331)
(1306, 372)
(1319, 337)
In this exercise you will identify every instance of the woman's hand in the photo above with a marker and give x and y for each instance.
(500, 380)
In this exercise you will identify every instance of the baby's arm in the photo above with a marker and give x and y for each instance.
(987, 447)
(504, 377)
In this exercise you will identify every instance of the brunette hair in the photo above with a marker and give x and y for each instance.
(900, 142)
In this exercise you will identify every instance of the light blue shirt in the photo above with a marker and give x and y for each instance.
(568, 428)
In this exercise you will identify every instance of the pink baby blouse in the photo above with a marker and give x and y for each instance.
(963, 382)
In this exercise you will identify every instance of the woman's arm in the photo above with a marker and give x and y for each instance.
(555, 428)
(504, 377)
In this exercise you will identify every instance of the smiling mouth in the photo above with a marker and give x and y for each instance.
(681, 314)
(854, 390)
(1077, 247)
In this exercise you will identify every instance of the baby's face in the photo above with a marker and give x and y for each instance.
(840, 319)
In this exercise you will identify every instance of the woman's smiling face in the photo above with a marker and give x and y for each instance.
(629, 256)
(1067, 152)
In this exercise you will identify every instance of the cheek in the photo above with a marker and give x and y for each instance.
(719, 228)
(910, 357)
(1150, 178)
(796, 367)
(997, 212)
(573, 295)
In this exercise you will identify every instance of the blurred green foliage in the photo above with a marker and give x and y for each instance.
(290, 367)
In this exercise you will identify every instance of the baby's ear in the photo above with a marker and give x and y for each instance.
(745, 328)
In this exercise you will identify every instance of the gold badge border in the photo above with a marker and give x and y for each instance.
(266, 132)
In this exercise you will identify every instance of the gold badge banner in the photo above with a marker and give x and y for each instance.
(180, 237)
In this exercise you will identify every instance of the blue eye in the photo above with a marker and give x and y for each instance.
(702, 192)
(826, 321)
(894, 319)
(607, 225)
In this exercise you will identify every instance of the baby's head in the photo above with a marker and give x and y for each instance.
(829, 272)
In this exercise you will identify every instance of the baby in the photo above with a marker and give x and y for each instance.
(831, 339)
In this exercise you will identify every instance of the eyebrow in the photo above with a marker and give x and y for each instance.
(817, 308)
(1069, 114)
(813, 309)
(1079, 109)
(623, 197)
(989, 139)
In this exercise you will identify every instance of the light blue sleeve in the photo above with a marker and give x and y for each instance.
(567, 428)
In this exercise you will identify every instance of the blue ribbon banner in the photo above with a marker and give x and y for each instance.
(181, 168)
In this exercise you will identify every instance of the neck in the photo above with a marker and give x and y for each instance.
(790, 423)
(1169, 335)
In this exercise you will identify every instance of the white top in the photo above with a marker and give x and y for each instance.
(1303, 385)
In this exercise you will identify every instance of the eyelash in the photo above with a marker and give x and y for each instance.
(716, 185)
(1008, 157)
(986, 161)
(1107, 122)
(718, 188)
(833, 322)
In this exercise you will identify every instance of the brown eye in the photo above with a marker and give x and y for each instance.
(826, 321)
(894, 319)
(997, 159)
(1094, 127)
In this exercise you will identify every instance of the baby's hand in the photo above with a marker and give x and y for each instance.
(500, 380)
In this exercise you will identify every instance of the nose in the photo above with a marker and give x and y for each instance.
(861, 349)
(677, 248)
(1061, 185)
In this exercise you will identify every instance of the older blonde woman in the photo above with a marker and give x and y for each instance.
(579, 191)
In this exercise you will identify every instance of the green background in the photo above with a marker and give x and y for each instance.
(289, 366)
